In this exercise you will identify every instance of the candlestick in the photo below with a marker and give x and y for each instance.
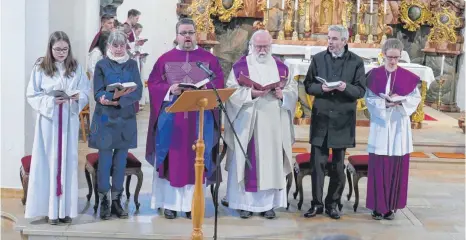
(441, 67)
(384, 9)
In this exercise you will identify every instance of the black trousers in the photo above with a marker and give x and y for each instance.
(319, 158)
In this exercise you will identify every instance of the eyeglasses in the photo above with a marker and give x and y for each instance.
(392, 57)
(259, 47)
(184, 34)
(63, 50)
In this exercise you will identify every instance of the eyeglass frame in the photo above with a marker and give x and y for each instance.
(184, 34)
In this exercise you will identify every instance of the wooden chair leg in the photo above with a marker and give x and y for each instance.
(300, 189)
(295, 194)
(356, 177)
(128, 182)
(288, 187)
(83, 130)
(24, 183)
(96, 195)
(140, 177)
(350, 184)
(89, 184)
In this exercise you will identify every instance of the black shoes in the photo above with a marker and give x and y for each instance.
(332, 213)
(245, 214)
(65, 220)
(104, 207)
(313, 211)
(269, 214)
(169, 214)
(389, 216)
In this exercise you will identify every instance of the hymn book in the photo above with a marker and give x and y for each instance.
(120, 86)
(63, 94)
(247, 82)
(392, 99)
(329, 84)
(194, 86)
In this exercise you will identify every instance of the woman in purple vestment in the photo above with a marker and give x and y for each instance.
(391, 97)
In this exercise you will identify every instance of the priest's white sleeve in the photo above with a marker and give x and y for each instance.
(290, 95)
(36, 97)
(376, 106)
(242, 96)
(83, 86)
(409, 105)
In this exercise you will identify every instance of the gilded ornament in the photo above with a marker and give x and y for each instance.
(226, 11)
(200, 11)
(444, 24)
(414, 14)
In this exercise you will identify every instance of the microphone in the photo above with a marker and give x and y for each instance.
(205, 69)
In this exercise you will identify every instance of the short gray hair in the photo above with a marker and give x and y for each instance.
(392, 43)
(117, 37)
(261, 31)
(341, 29)
(185, 21)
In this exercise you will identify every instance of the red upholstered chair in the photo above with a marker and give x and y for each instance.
(133, 167)
(24, 175)
(357, 167)
(304, 169)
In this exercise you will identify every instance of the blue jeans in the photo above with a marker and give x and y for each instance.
(109, 159)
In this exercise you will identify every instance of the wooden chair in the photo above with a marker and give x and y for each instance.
(24, 176)
(133, 167)
(303, 168)
(357, 167)
(84, 115)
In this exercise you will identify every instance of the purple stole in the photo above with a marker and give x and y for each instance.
(250, 175)
(60, 145)
(403, 82)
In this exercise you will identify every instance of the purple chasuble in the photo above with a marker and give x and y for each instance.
(403, 82)
(177, 66)
(250, 174)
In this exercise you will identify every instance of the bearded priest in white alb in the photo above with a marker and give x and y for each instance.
(262, 111)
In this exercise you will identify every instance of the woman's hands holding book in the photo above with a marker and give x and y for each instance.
(120, 93)
(107, 102)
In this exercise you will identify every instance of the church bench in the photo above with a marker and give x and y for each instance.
(133, 167)
(357, 167)
(302, 169)
(24, 176)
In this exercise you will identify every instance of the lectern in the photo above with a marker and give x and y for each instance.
(199, 100)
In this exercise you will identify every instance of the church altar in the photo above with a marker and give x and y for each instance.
(308, 51)
(298, 69)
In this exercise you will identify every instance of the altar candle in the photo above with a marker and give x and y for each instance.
(358, 5)
(384, 7)
(441, 67)
(296, 4)
(268, 4)
(372, 6)
(283, 4)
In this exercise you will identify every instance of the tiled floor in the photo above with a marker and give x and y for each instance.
(436, 209)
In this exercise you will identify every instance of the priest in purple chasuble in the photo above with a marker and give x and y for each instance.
(263, 120)
(390, 138)
(171, 135)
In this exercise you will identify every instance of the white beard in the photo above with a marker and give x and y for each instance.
(262, 58)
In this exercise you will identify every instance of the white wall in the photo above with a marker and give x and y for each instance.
(158, 19)
(13, 81)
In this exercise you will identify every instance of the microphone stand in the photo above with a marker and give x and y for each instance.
(218, 168)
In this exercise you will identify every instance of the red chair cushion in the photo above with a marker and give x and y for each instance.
(306, 158)
(26, 163)
(359, 162)
(131, 160)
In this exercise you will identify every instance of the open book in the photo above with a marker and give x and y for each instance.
(194, 86)
(63, 94)
(120, 86)
(247, 82)
(392, 99)
(329, 84)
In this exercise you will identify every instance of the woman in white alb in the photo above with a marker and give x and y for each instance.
(94, 56)
(58, 90)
